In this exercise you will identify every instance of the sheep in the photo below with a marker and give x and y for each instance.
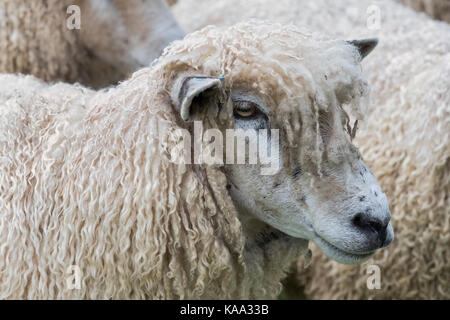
(438, 9)
(114, 38)
(96, 185)
(406, 141)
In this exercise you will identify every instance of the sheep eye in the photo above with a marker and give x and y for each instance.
(245, 109)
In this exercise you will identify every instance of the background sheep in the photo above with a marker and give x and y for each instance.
(89, 179)
(116, 38)
(406, 142)
(438, 9)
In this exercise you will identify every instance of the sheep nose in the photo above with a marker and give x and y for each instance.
(374, 227)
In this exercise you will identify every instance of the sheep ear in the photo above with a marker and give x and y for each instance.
(193, 94)
(364, 46)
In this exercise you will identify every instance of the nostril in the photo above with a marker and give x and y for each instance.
(357, 220)
(367, 223)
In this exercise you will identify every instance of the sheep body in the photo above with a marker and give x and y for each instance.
(85, 181)
(406, 141)
(35, 39)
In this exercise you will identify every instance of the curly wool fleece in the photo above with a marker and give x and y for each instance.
(84, 182)
(35, 40)
(96, 43)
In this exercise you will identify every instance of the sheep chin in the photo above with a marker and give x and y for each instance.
(340, 255)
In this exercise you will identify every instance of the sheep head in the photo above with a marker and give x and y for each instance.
(301, 90)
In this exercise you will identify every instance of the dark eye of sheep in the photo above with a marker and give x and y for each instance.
(245, 109)
(248, 115)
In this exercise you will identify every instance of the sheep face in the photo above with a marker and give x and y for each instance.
(337, 202)
(320, 188)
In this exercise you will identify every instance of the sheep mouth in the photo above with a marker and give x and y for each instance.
(341, 255)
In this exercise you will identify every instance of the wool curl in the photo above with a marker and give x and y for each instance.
(405, 141)
(86, 181)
